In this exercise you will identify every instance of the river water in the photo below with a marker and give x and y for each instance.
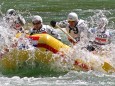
(58, 10)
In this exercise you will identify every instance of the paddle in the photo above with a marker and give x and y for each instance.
(108, 68)
(66, 33)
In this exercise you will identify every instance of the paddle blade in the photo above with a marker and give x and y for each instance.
(107, 67)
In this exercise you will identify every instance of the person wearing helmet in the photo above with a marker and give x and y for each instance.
(14, 20)
(99, 35)
(39, 27)
(77, 28)
(15, 23)
(11, 12)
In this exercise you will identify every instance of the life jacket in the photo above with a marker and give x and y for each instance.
(102, 38)
(38, 31)
(75, 32)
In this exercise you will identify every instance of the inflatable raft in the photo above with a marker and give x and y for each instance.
(47, 46)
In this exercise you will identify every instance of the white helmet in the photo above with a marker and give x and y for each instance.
(103, 21)
(72, 17)
(11, 12)
(102, 24)
(37, 18)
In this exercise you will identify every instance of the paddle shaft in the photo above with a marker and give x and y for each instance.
(66, 33)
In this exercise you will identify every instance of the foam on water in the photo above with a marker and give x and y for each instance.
(72, 78)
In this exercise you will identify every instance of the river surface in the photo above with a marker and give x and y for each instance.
(58, 10)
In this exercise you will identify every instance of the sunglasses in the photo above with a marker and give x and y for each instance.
(35, 23)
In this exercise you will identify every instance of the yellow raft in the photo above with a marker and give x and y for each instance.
(47, 45)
